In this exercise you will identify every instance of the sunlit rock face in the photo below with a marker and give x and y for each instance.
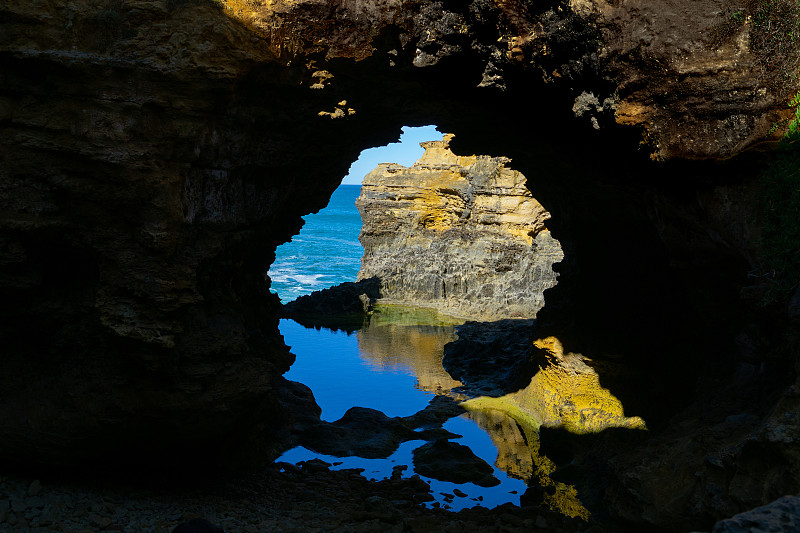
(461, 233)
(564, 392)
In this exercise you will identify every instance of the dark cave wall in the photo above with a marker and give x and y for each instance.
(149, 173)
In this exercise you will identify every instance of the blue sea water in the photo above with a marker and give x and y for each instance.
(325, 253)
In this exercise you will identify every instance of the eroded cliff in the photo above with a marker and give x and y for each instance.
(154, 153)
(462, 234)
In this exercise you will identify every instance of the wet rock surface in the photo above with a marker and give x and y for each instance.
(368, 433)
(361, 432)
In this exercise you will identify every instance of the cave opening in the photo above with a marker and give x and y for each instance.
(150, 172)
(622, 303)
(387, 372)
(388, 368)
(326, 251)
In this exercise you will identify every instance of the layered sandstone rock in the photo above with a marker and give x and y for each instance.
(153, 153)
(463, 234)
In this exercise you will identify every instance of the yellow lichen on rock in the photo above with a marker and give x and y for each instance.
(241, 9)
(568, 393)
(517, 440)
(565, 392)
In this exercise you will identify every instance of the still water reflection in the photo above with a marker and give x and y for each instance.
(395, 365)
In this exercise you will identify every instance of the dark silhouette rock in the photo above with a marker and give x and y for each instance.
(345, 307)
(449, 461)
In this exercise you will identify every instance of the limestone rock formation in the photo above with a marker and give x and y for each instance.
(519, 455)
(153, 153)
(565, 391)
(463, 234)
(345, 306)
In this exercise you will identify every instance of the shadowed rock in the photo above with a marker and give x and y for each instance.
(197, 525)
(369, 433)
(491, 357)
(780, 516)
(362, 432)
(449, 461)
(345, 307)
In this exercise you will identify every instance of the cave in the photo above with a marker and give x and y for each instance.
(155, 154)
(443, 239)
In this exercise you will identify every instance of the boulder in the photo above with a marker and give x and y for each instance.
(450, 461)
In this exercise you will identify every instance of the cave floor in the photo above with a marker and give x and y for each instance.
(277, 498)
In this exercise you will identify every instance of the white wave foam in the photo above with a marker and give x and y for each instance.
(307, 279)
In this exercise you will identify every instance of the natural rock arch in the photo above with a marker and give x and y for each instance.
(162, 151)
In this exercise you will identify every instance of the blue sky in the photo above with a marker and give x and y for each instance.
(404, 152)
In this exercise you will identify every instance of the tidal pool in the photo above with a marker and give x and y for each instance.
(394, 365)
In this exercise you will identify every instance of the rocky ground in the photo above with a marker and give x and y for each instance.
(308, 498)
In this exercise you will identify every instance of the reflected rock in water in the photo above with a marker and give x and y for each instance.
(513, 447)
(409, 340)
(519, 456)
(565, 392)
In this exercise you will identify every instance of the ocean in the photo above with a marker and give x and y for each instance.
(325, 253)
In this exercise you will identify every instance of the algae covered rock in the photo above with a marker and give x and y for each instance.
(564, 392)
